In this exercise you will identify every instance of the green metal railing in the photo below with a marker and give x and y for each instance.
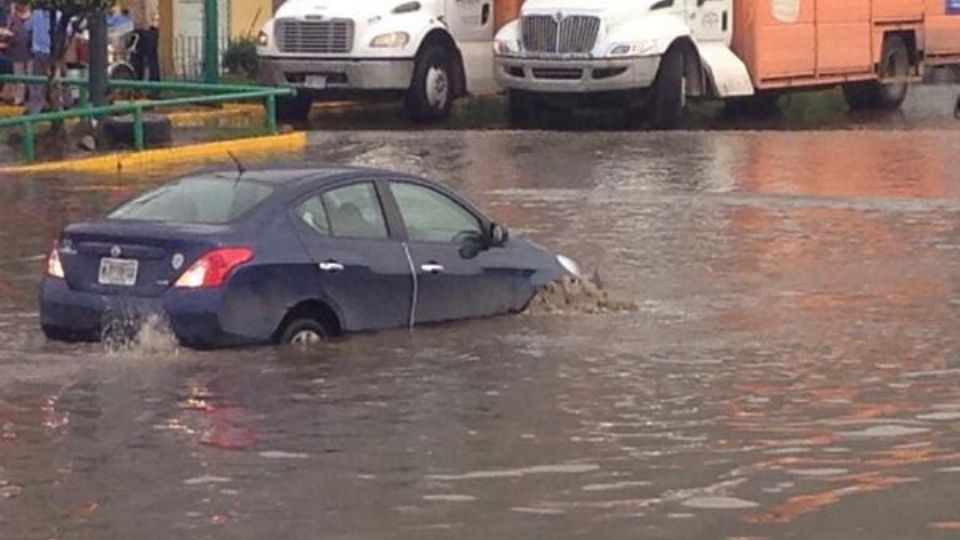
(212, 94)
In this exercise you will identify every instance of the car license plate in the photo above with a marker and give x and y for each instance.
(318, 82)
(121, 272)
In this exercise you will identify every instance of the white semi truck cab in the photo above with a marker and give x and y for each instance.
(429, 52)
(642, 55)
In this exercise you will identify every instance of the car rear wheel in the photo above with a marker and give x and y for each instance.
(304, 332)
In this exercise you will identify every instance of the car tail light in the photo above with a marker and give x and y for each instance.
(54, 268)
(213, 268)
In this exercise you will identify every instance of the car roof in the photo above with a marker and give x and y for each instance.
(295, 177)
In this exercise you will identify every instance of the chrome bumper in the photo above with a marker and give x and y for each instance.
(575, 75)
(336, 74)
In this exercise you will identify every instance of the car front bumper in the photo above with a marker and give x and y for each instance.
(193, 315)
(336, 74)
(572, 75)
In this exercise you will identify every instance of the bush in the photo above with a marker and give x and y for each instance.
(240, 58)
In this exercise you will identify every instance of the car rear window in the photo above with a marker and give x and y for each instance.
(195, 200)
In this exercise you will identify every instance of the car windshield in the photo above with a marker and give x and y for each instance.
(195, 200)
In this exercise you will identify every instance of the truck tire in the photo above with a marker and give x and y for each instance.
(669, 98)
(431, 91)
(894, 63)
(294, 109)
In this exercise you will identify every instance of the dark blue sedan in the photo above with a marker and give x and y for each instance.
(288, 256)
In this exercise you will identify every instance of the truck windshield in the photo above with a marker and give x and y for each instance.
(195, 200)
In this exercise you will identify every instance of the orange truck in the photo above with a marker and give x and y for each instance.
(650, 56)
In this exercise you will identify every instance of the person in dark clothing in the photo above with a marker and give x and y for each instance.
(146, 57)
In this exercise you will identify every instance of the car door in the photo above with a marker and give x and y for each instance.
(364, 271)
(453, 280)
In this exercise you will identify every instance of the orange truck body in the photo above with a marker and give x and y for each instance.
(787, 43)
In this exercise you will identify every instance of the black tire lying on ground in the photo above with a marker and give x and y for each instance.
(117, 131)
(294, 109)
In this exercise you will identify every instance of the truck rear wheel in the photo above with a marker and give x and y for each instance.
(886, 96)
(294, 109)
(669, 93)
(431, 91)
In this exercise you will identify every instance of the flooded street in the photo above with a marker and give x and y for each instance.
(791, 369)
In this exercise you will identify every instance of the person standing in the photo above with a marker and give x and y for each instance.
(38, 27)
(18, 50)
(146, 58)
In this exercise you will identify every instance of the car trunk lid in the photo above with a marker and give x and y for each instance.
(116, 257)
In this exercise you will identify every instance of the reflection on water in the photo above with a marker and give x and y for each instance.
(791, 368)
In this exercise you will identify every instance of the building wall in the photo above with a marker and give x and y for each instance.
(180, 40)
(248, 16)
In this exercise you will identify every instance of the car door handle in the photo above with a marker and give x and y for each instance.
(432, 268)
(331, 266)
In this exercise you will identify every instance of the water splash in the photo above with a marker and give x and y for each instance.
(576, 295)
(150, 335)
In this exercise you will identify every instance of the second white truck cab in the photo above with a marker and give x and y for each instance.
(429, 52)
(646, 55)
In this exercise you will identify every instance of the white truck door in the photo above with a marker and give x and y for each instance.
(710, 20)
(470, 20)
(471, 24)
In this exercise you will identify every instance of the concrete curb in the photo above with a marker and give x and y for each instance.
(178, 155)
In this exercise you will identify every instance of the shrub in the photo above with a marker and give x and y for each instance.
(240, 58)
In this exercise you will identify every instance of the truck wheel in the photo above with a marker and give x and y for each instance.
(294, 109)
(669, 92)
(895, 64)
(430, 95)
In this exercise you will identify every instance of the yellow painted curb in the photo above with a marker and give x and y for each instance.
(180, 155)
(199, 116)
(10, 110)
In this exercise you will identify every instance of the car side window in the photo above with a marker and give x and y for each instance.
(354, 211)
(431, 216)
(312, 212)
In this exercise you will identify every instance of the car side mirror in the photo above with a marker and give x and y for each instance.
(499, 235)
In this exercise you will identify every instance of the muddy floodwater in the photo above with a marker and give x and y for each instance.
(790, 367)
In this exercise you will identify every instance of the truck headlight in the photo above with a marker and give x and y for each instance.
(391, 40)
(263, 39)
(506, 47)
(637, 48)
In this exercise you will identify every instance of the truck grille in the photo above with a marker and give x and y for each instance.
(314, 37)
(548, 34)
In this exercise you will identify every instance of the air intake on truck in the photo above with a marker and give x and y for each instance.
(315, 37)
(559, 34)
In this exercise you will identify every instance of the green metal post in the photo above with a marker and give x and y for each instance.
(97, 68)
(29, 150)
(138, 128)
(211, 43)
(272, 114)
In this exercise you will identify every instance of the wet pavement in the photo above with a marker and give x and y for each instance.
(791, 369)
